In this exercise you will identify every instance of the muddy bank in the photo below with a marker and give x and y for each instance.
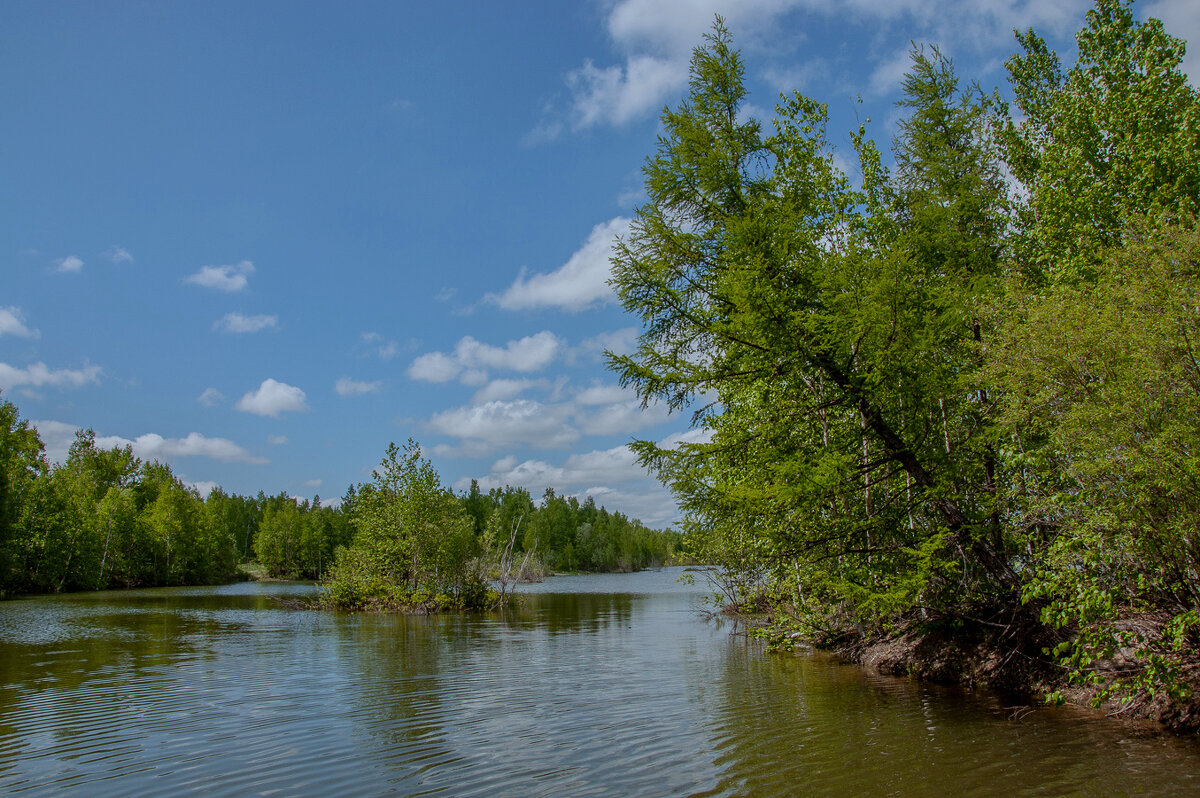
(1009, 658)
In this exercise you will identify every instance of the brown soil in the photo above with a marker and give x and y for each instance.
(1006, 657)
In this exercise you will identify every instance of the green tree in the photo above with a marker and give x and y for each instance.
(1113, 139)
(279, 542)
(414, 542)
(835, 333)
(1104, 394)
(22, 465)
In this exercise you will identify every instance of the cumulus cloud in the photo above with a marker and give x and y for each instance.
(656, 38)
(435, 367)
(605, 393)
(39, 375)
(58, 437)
(203, 487)
(210, 397)
(611, 476)
(238, 323)
(506, 389)
(153, 446)
(12, 322)
(471, 359)
(71, 263)
(273, 398)
(619, 342)
(348, 387)
(579, 284)
(531, 353)
(498, 418)
(115, 254)
(619, 418)
(654, 41)
(230, 279)
(482, 428)
(618, 94)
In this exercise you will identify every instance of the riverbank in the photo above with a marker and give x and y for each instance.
(1011, 658)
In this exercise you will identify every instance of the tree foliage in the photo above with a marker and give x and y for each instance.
(927, 395)
(414, 542)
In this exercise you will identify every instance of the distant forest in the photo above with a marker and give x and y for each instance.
(106, 519)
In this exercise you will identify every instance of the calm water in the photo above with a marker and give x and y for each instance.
(600, 685)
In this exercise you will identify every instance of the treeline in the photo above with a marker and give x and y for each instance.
(563, 534)
(102, 519)
(105, 519)
(957, 392)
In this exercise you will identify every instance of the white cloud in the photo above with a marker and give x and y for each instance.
(653, 40)
(474, 377)
(611, 476)
(382, 347)
(482, 428)
(889, 72)
(579, 284)
(531, 353)
(348, 387)
(273, 398)
(619, 342)
(152, 446)
(619, 418)
(471, 359)
(229, 279)
(39, 375)
(71, 263)
(210, 397)
(312, 483)
(506, 389)
(498, 419)
(58, 437)
(238, 323)
(618, 94)
(277, 440)
(434, 367)
(656, 38)
(203, 487)
(116, 254)
(12, 322)
(632, 197)
(604, 393)
(691, 436)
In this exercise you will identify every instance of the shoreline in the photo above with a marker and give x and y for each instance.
(984, 659)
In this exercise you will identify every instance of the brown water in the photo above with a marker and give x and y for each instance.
(601, 685)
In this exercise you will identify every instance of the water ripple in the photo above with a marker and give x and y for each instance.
(591, 692)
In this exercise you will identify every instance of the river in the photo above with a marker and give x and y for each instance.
(598, 685)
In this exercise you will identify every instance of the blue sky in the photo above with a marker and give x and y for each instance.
(261, 240)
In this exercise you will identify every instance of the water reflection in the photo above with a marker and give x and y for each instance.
(597, 685)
